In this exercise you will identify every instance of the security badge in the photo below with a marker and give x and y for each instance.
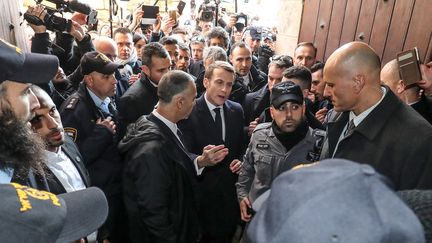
(262, 146)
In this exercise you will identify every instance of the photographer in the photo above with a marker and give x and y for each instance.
(69, 46)
(253, 36)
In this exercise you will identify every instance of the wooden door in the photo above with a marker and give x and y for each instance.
(389, 26)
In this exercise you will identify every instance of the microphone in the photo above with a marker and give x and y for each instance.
(76, 6)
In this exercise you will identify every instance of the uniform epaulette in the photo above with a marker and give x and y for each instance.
(72, 103)
(262, 126)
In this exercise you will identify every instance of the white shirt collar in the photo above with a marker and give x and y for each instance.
(359, 118)
(171, 125)
(210, 105)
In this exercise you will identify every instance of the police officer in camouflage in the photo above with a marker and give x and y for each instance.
(275, 146)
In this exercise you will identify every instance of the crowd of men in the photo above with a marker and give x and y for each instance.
(207, 137)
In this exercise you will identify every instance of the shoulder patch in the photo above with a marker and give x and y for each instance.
(262, 126)
(71, 132)
(72, 103)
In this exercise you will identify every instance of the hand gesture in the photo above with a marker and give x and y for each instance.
(39, 12)
(167, 25)
(157, 25)
(136, 18)
(252, 125)
(212, 155)
(133, 78)
(321, 114)
(108, 123)
(77, 31)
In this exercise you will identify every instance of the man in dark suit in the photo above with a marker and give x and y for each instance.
(248, 77)
(217, 120)
(375, 127)
(159, 176)
(141, 98)
(411, 95)
(64, 161)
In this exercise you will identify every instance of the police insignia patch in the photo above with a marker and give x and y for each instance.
(262, 146)
(71, 132)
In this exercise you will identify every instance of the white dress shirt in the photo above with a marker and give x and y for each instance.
(65, 171)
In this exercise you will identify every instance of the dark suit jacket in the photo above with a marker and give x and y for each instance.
(393, 138)
(158, 184)
(424, 108)
(218, 206)
(71, 150)
(255, 103)
(138, 100)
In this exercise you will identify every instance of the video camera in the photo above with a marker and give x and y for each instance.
(208, 9)
(57, 23)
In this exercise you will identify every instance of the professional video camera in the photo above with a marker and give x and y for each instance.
(58, 23)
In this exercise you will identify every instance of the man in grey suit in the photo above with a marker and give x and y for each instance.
(375, 127)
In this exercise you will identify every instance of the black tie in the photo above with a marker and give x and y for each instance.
(350, 128)
(180, 136)
(218, 122)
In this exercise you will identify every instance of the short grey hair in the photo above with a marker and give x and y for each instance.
(173, 83)
(215, 53)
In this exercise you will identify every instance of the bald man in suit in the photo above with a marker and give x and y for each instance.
(375, 127)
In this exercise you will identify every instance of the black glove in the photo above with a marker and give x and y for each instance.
(264, 54)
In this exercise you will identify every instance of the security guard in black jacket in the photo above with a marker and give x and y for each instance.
(248, 77)
(89, 117)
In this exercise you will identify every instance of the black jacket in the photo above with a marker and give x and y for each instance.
(424, 108)
(255, 103)
(158, 184)
(140, 99)
(257, 80)
(393, 138)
